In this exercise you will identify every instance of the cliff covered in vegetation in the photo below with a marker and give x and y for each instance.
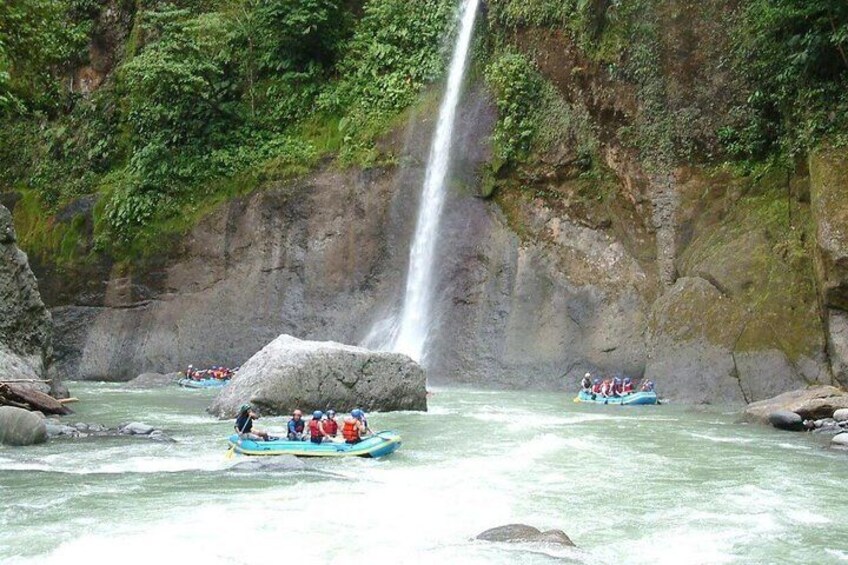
(647, 186)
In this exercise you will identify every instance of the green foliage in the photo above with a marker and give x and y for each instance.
(397, 49)
(38, 40)
(518, 91)
(796, 53)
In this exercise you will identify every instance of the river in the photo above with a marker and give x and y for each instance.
(665, 484)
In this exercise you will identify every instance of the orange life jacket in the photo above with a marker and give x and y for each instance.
(350, 431)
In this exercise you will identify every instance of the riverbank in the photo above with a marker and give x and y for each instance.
(724, 492)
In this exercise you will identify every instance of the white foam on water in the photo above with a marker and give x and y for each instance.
(720, 439)
(840, 554)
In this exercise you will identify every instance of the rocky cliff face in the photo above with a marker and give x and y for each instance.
(25, 323)
(719, 286)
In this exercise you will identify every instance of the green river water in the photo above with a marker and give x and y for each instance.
(663, 484)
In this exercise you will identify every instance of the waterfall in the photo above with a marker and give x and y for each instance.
(408, 333)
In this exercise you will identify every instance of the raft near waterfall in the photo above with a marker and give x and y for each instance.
(633, 399)
(378, 445)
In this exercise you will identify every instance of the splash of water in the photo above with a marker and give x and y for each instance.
(408, 333)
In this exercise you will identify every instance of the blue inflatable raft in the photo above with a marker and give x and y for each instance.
(203, 383)
(378, 445)
(632, 399)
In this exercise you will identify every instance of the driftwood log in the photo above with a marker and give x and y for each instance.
(23, 397)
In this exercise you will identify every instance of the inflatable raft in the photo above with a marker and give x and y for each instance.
(202, 383)
(378, 445)
(632, 399)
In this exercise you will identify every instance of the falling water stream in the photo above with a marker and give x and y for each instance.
(408, 334)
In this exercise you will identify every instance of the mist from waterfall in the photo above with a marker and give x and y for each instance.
(408, 332)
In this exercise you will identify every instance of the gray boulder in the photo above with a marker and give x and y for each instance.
(290, 373)
(21, 427)
(523, 533)
(840, 440)
(786, 420)
(26, 327)
(812, 403)
(841, 415)
(154, 380)
(137, 429)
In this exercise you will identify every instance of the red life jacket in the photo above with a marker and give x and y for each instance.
(596, 388)
(616, 388)
(331, 427)
(628, 388)
(350, 431)
(315, 428)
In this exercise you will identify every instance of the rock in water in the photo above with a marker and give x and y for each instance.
(154, 380)
(840, 439)
(811, 403)
(841, 415)
(786, 420)
(21, 427)
(26, 327)
(290, 373)
(137, 429)
(524, 533)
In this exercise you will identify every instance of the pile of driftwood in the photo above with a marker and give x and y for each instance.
(15, 393)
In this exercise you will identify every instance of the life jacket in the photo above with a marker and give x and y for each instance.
(331, 427)
(606, 387)
(350, 431)
(616, 388)
(596, 388)
(627, 388)
(315, 428)
(586, 383)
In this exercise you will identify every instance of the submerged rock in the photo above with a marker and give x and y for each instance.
(523, 533)
(278, 463)
(290, 373)
(841, 415)
(786, 420)
(21, 427)
(137, 429)
(813, 403)
(154, 380)
(840, 440)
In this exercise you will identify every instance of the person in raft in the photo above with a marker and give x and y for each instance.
(244, 424)
(648, 386)
(316, 427)
(586, 383)
(296, 427)
(331, 427)
(627, 387)
(355, 426)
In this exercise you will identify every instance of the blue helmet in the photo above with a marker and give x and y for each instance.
(627, 380)
(317, 415)
(617, 380)
(358, 414)
(597, 381)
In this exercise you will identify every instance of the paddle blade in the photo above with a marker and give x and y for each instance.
(230, 453)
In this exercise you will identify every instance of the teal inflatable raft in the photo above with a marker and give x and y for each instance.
(203, 383)
(378, 445)
(632, 399)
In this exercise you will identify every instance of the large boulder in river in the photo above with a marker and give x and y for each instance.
(26, 327)
(524, 533)
(812, 403)
(21, 427)
(154, 380)
(290, 373)
(786, 420)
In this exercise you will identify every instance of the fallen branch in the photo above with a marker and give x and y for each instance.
(68, 400)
